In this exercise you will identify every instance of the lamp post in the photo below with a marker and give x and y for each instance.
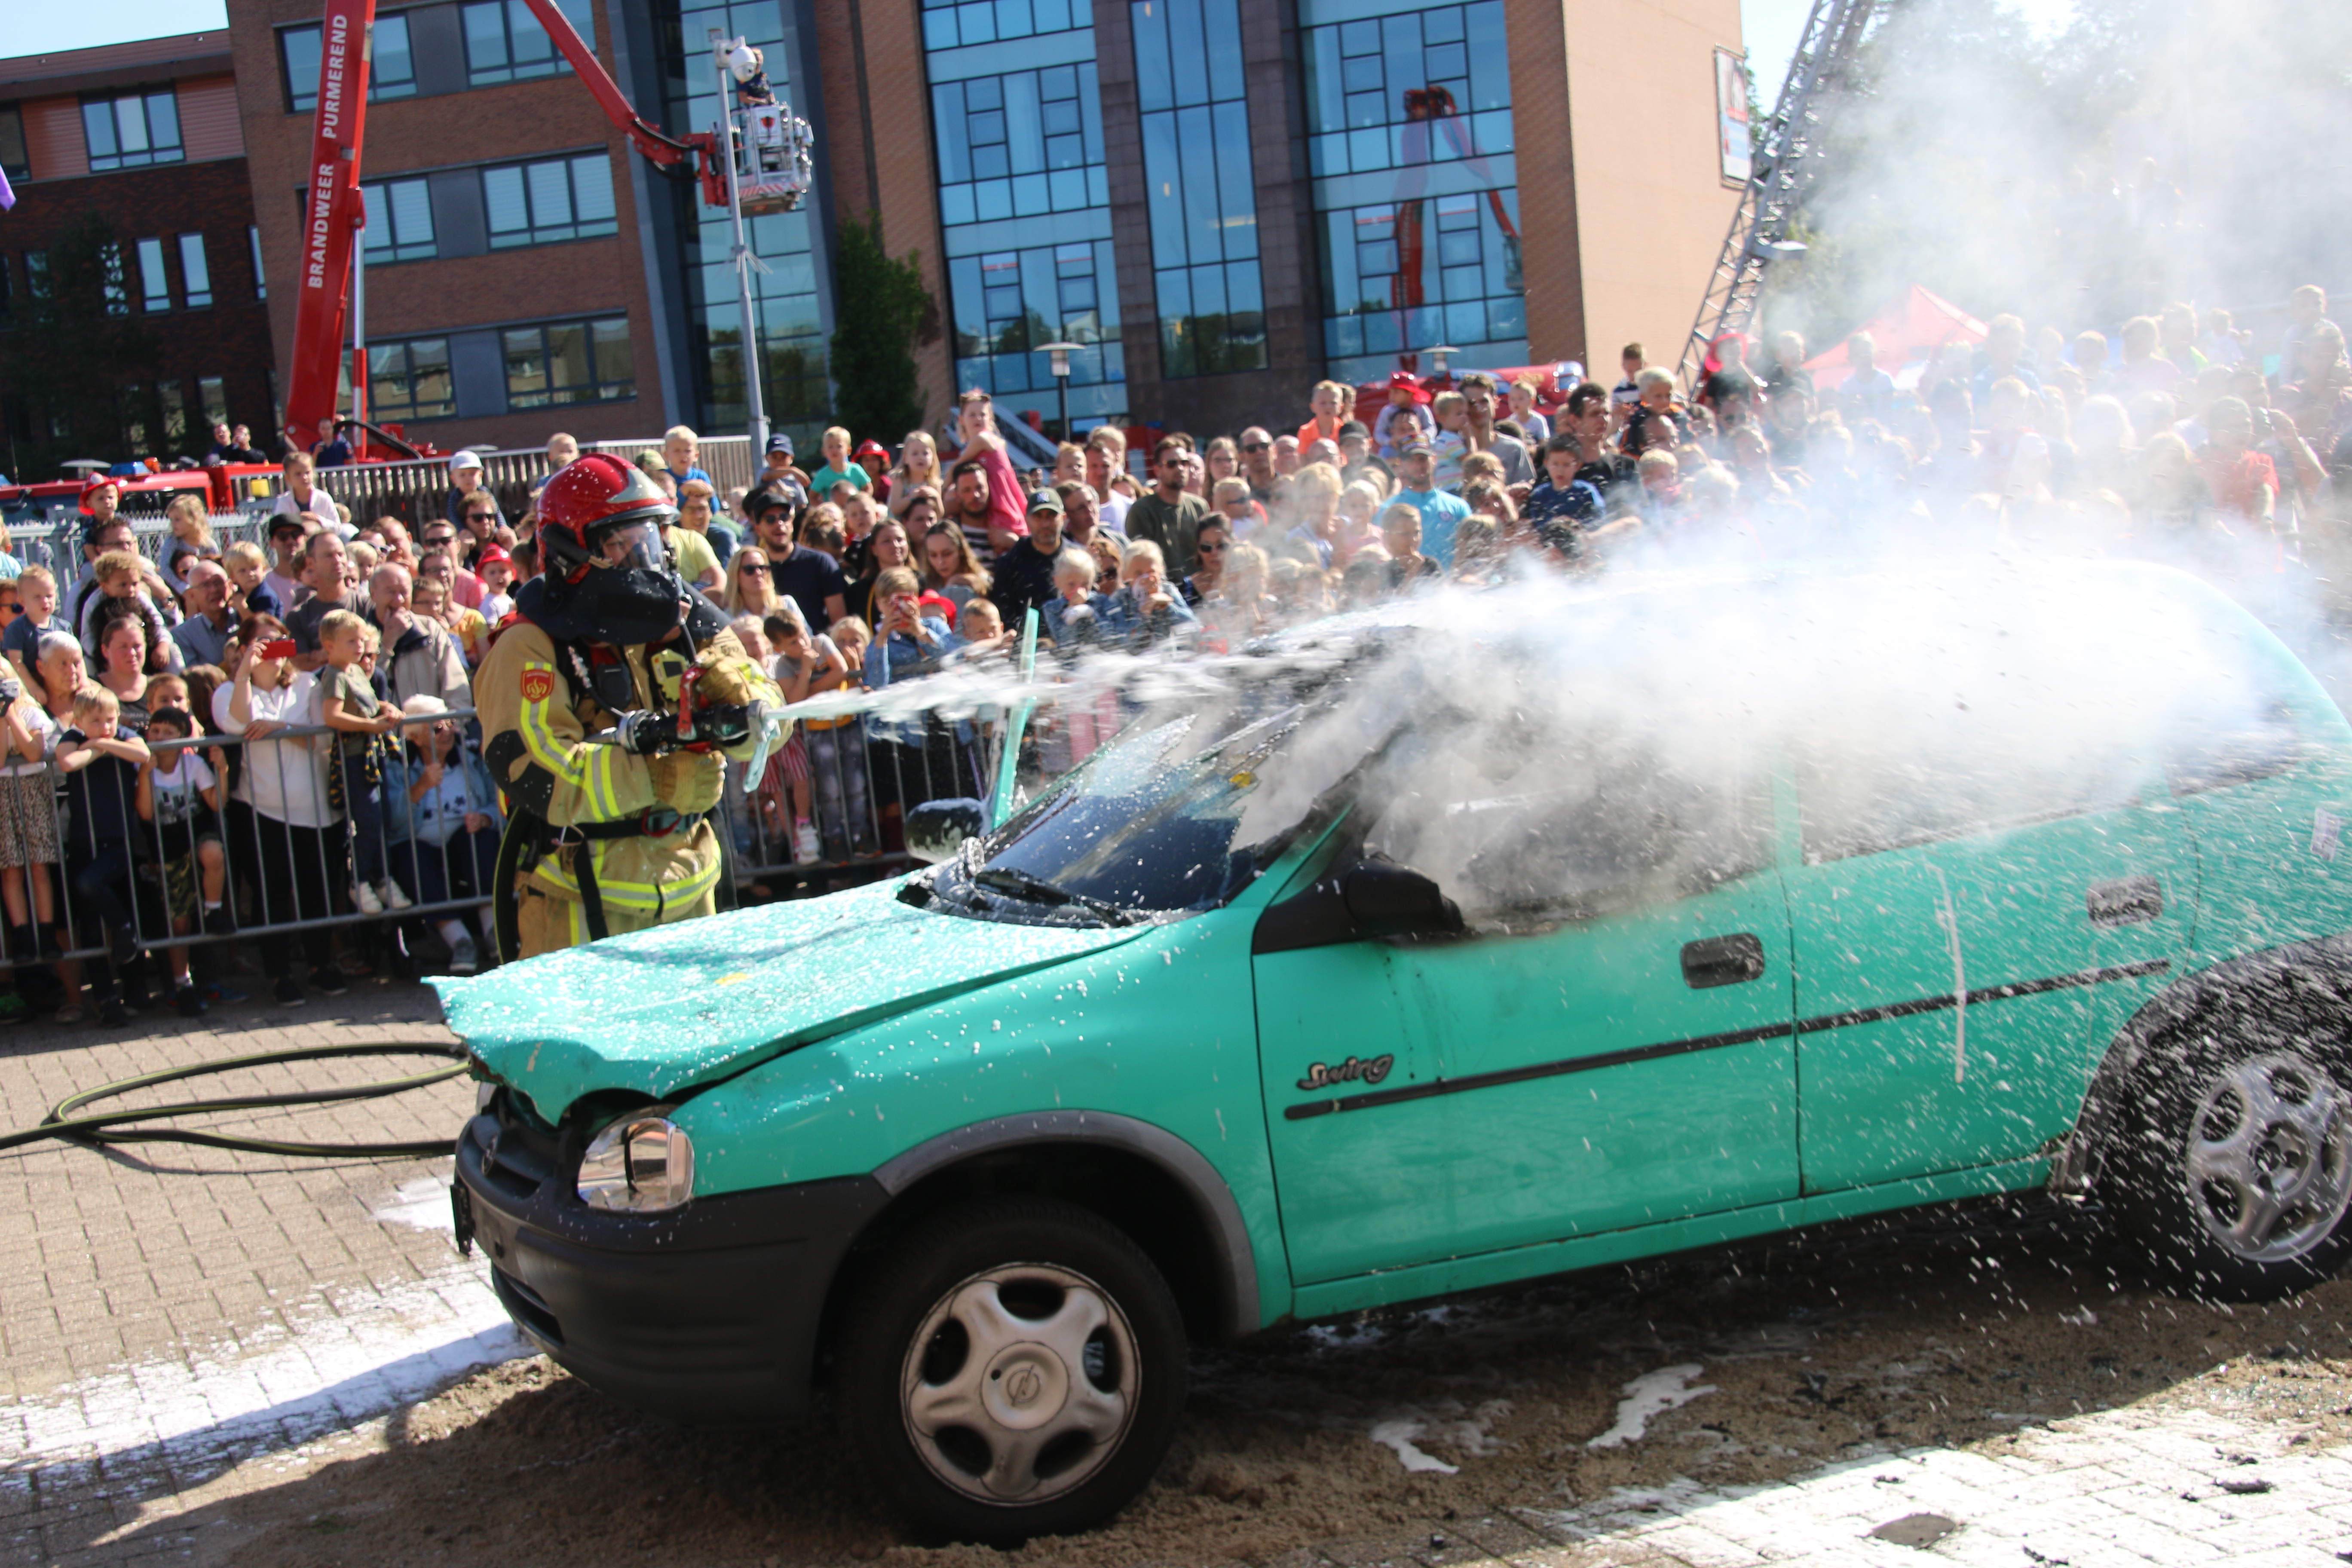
(1440, 354)
(1059, 363)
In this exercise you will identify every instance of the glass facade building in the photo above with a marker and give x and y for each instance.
(1415, 184)
(1194, 117)
(789, 300)
(1025, 206)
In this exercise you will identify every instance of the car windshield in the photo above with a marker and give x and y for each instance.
(1177, 814)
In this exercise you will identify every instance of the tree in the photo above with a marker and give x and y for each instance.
(881, 312)
(72, 347)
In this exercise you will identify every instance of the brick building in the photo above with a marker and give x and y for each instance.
(146, 136)
(1226, 200)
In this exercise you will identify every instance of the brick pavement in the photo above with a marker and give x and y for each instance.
(179, 1325)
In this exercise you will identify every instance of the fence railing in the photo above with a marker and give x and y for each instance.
(413, 491)
(265, 836)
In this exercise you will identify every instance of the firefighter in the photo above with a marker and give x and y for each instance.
(611, 834)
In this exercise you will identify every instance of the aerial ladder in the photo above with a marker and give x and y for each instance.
(757, 161)
(1787, 163)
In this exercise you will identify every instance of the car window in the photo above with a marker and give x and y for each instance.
(1548, 832)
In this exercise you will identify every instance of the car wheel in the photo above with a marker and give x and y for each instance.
(2243, 1176)
(1015, 1369)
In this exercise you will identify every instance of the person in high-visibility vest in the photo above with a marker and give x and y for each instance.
(608, 702)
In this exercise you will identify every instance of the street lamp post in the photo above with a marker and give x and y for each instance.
(1440, 354)
(1059, 363)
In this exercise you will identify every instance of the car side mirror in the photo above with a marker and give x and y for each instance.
(1385, 899)
(937, 828)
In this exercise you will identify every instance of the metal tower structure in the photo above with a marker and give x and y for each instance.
(1788, 162)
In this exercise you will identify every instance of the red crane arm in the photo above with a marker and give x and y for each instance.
(651, 140)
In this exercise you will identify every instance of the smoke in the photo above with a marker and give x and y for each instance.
(2153, 149)
(1559, 749)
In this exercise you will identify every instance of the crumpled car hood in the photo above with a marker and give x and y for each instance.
(662, 1010)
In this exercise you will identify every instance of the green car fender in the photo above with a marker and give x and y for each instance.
(1148, 1048)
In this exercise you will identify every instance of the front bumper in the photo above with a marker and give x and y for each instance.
(707, 1315)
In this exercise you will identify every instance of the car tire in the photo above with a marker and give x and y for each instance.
(1015, 1368)
(2238, 1176)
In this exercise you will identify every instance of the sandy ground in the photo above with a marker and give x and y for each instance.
(1949, 1328)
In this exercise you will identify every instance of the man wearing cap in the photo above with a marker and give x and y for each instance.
(1023, 577)
(781, 475)
(809, 578)
(1441, 513)
(464, 479)
(284, 579)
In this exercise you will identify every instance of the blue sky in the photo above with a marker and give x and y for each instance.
(1771, 27)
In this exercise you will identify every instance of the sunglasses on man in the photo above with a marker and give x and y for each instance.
(481, 517)
(433, 538)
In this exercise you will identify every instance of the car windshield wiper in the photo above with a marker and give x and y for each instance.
(1021, 884)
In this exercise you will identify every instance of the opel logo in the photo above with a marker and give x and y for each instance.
(1023, 1386)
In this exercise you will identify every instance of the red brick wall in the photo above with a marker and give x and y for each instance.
(231, 339)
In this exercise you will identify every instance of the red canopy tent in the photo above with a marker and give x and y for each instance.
(1909, 331)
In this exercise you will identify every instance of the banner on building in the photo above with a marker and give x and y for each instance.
(1731, 118)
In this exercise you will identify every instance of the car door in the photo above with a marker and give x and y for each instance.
(1607, 1045)
(1968, 942)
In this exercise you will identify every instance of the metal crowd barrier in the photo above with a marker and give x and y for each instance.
(282, 881)
(414, 491)
(57, 544)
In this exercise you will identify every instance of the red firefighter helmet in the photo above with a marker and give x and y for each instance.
(591, 494)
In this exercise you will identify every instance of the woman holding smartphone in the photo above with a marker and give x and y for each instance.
(281, 830)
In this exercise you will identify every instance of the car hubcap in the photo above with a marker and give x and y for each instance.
(1021, 1383)
(2270, 1158)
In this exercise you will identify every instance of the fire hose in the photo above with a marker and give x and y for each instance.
(108, 1127)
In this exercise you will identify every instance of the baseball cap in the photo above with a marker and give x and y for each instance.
(1411, 446)
(95, 483)
(460, 462)
(1045, 501)
(1353, 427)
(290, 523)
(780, 442)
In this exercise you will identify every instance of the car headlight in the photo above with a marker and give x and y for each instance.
(640, 1164)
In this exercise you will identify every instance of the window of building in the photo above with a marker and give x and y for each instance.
(411, 380)
(392, 68)
(1415, 181)
(947, 24)
(173, 397)
(1198, 189)
(212, 393)
(253, 239)
(195, 272)
(544, 203)
(14, 161)
(132, 131)
(504, 42)
(117, 287)
(399, 221)
(36, 274)
(569, 361)
(154, 286)
(1009, 301)
(1019, 145)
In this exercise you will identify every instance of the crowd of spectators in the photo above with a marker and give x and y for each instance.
(339, 655)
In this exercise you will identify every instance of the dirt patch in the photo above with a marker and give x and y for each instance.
(1944, 1329)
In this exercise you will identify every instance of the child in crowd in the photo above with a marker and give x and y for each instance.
(28, 834)
(1404, 420)
(248, 564)
(122, 593)
(1453, 442)
(102, 768)
(1561, 508)
(1232, 497)
(981, 625)
(1073, 615)
(181, 794)
(807, 665)
(37, 612)
(495, 567)
(348, 705)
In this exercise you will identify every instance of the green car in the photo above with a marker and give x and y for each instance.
(1463, 942)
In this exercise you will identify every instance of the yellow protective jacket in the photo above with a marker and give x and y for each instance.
(536, 715)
